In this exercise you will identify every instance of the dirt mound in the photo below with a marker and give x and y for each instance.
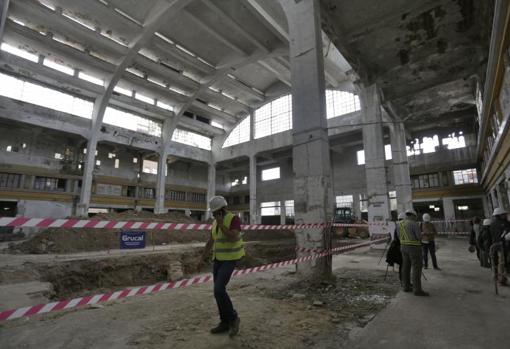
(61, 241)
(171, 217)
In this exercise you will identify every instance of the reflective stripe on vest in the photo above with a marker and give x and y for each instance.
(224, 250)
(404, 238)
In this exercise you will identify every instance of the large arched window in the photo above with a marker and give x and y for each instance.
(276, 116)
(240, 134)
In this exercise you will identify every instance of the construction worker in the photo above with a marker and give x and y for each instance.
(227, 248)
(428, 240)
(484, 243)
(394, 256)
(410, 241)
(499, 228)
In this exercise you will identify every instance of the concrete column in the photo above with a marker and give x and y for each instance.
(375, 168)
(166, 136)
(355, 205)
(211, 186)
(401, 173)
(448, 209)
(283, 212)
(4, 9)
(252, 180)
(159, 204)
(82, 207)
(313, 194)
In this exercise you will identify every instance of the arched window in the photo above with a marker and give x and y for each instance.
(340, 103)
(240, 134)
(276, 116)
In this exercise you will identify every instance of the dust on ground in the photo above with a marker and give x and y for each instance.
(277, 310)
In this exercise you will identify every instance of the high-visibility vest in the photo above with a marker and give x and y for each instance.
(404, 238)
(223, 249)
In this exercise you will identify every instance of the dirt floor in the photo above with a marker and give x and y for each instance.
(277, 310)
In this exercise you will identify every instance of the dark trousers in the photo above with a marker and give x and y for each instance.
(222, 271)
(411, 259)
(430, 247)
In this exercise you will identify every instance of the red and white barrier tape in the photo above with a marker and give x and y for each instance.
(114, 224)
(144, 290)
(454, 233)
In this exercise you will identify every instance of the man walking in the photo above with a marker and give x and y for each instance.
(227, 248)
(410, 240)
(429, 242)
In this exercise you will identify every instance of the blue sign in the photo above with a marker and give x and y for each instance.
(132, 239)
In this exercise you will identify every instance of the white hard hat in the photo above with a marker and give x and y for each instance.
(426, 217)
(216, 203)
(411, 211)
(401, 216)
(499, 211)
(487, 221)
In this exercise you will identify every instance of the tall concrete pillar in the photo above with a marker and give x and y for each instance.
(159, 204)
(82, 207)
(253, 190)
(166, 135)
(401, 173)
(283, 212)
(375, 168)
(313, 194)
(211, 186)
(448, 209)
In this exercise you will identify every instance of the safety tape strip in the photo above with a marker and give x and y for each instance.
(151, 289)
(113, 224)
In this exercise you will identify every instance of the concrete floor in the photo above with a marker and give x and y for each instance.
(462, 312)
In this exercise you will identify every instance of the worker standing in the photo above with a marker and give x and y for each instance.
(410, 240)
(499, 229)
(429, 242)
(227, 248)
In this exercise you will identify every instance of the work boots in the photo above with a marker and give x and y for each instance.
(221, 328)
(234, 327)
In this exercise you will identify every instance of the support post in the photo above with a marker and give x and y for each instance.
(313, 194)
(375, 168)
(253, 190)
(211, 186)
(401, 173)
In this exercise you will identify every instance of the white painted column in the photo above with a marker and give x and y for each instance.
(375, 168)
(401, 173)
(211, 186)
(448, 209)
(254, 216)
(313, 194)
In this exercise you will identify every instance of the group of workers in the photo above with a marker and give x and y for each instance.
(412, 243)
(491, 241)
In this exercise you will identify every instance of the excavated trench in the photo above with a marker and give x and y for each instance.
(73, 278)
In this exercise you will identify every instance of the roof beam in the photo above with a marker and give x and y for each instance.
(214, 33)
(270, 22)
(230, 21)
(4, 10)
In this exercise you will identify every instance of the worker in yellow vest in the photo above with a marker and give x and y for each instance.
(410, 244)
(227, 248)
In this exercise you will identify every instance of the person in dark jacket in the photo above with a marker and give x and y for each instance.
(475, 233)
(394, 256)
(484, 243)
(499, 228)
